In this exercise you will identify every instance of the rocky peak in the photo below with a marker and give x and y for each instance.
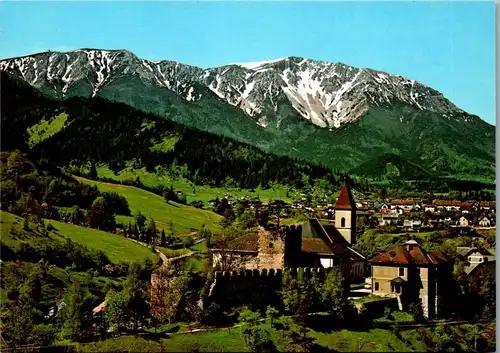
(327, 94)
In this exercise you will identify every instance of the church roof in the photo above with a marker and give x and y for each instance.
(321, 247)
(345, 200)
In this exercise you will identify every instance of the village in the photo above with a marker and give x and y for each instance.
(398, 274)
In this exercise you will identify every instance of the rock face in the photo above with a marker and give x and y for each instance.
(326, 94)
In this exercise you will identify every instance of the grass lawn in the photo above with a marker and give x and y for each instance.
(117, 248)
(201, 247)
(184, 218)
(220, 340)
(370, 298)
(227, 340)
(376, 340)
(398, 316)
(173, 253)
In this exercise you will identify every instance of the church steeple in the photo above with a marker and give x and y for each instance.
(345, 214)
(345, 200)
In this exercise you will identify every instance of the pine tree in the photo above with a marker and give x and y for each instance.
(93, 171)
(163, 238)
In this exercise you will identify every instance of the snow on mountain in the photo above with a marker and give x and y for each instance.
(326, 94)
(257, 65)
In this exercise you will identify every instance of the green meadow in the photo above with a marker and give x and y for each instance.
(194, 192)
(117, 248)
(185, 219)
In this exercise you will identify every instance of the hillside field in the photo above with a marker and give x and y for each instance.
(184, 218)
(117, 248)
(195, 192)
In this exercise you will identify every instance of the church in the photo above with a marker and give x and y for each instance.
(311, 245)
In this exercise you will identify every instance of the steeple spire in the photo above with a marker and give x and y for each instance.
(345, 200)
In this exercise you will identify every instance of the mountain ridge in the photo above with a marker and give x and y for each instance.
(237, 89)
(327, 113)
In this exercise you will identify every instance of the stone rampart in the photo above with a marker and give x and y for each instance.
(255, 288)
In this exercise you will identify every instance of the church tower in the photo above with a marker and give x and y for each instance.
(345, 214)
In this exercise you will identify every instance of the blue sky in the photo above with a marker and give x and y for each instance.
(449, 46)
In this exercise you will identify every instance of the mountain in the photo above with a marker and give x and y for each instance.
(328, 113)
(77, 130)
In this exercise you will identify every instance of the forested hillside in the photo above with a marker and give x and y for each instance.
(79, 131)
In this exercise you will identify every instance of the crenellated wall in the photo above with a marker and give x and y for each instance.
(255, 288)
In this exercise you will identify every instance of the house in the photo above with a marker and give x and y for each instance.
(430, 208)
(411, 274)
(467, 207)
(398, 210)
(485, 222)
(311, 245)
(448, 205)
(412, 224)
(212, 203)
(440, 222)
(474, 255)
(385, 206)
(463, 221)
(406, 205)
(389, 218)
(487, 205)
(480, 262)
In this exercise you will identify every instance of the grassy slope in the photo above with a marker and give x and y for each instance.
(44, 129)
(183, 217)
(117, 248)
(202, 192)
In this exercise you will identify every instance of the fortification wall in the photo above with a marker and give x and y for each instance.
(255, 288)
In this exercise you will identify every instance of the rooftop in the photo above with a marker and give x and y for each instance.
(410, 253)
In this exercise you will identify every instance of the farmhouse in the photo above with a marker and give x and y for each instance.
(463, 221)
(412, 224)
(448, 205)
(389, 218)
(406, 205)
(475, 256)
(487, 205)
(485, 222)
(410, 274)
(430, 208)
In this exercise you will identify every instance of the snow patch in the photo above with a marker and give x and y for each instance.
(256, 65)
(190, 96)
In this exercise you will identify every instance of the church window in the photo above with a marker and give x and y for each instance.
(342, 222)
(376, 285)
(401, 271)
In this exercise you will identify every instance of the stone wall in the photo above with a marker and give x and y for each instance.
(255, 288)
(271, 250)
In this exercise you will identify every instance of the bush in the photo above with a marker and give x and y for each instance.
(42, 335)
(188, 241)
(197, 204)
